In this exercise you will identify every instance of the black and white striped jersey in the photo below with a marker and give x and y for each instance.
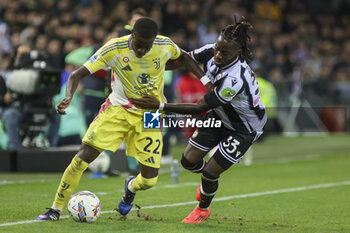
(235, 98)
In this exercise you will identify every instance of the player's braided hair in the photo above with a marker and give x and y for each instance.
(238, 33)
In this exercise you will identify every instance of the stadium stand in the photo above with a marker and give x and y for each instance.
(302, 47)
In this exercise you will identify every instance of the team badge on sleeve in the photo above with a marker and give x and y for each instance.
(94, 58)
(228, 93)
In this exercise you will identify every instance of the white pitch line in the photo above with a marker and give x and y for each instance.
(5, 182)
(302, 188)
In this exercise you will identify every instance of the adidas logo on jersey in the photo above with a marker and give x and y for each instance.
(126, 68)
(150, 159)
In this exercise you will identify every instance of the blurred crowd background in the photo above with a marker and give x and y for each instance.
(302, 47)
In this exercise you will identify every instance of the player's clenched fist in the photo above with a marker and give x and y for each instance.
(63, 105)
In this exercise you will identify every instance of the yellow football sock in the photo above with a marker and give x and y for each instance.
(69, 182)
(141, 183)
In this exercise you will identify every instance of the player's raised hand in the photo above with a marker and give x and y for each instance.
(63, 105)
(146, 102)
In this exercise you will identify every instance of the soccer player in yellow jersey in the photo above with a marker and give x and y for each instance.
(137, 62)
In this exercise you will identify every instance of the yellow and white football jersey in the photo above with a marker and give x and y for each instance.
(132, 76)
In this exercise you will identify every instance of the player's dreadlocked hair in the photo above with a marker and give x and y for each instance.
(238, 33)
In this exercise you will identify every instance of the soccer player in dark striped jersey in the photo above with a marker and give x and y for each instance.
(234, 100)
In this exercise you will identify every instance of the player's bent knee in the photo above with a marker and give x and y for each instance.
(88, 153)
(209, 176)
(193, 167)
(147, 183)
(185, 163)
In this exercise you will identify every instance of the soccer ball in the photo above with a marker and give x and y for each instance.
(84, 206)
(101, 163)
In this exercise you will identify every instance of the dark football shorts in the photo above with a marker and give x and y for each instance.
(232, 145)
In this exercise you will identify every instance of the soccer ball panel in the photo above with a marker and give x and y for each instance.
(84, 206)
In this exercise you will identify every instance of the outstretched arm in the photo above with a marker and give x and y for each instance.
(150, 102)
(72, 84)
(185, 60)
(196, 108)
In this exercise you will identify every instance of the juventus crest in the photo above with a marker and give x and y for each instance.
(156, 61)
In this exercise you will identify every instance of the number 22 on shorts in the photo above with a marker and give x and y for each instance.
(149, 144)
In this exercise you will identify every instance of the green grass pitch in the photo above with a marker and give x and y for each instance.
(295, 184)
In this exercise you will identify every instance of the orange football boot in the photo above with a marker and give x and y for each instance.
(198, 215)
